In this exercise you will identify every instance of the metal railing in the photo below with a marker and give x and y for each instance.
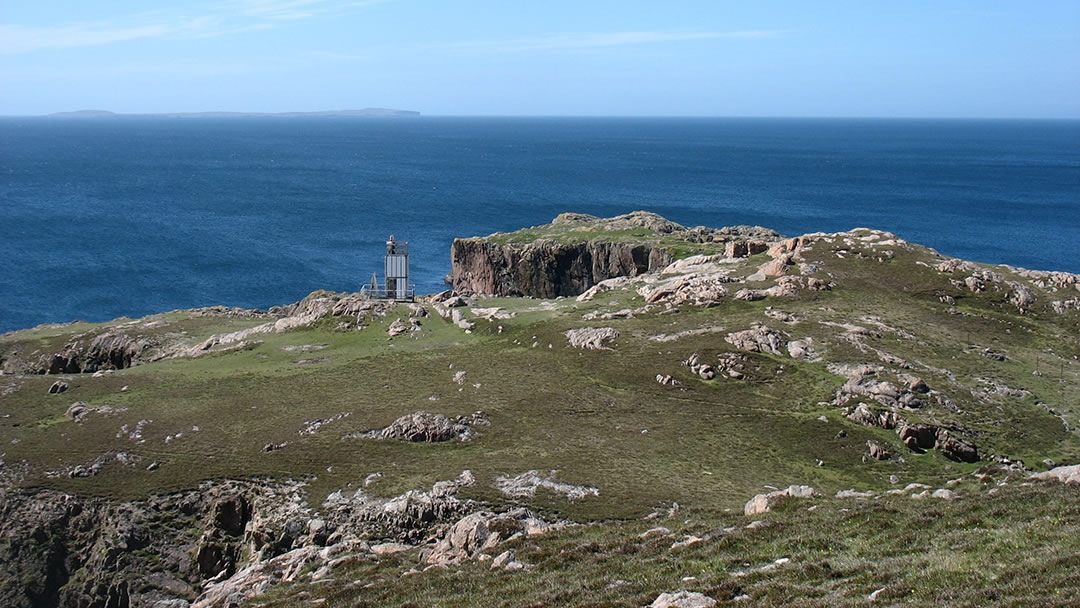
(382, 293)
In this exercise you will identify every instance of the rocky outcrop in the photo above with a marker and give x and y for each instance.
(213, 546)
(135, 342)
(427, 427)
(1066, 474)
(591, 338)
(763, 503)
(682, 599)
(561, 259)
(547, 268)
(758, 339)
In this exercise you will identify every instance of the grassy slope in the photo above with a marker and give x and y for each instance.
(709, 445)
(1017, 547)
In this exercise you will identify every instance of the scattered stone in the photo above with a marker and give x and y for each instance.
(592, 338)
(666, 380)
(767, 567)
(866, 416)
(313, 426)
(854, 494)
(686, 542)
(657, 531)
(385, 549)
(311, 361)
(303, 348)
(945, 494)
(733, 364)
(501, 560)
(528, 482)
(58, 387)
(876, 451)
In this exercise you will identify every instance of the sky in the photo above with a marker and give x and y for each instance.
(917, 58)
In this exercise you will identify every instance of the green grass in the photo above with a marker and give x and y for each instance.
(1018, 547)
(600, 419)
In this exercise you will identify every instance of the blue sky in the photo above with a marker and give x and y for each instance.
(478, 57)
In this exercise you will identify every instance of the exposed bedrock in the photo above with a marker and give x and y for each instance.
(547, 268)
(560, 259)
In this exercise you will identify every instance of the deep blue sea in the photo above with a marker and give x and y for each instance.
(129, 216)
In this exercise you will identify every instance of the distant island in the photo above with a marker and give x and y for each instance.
(363, 112)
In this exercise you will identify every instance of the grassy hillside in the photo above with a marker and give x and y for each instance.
(1005, 380)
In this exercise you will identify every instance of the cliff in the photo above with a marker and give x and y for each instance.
(576, 251)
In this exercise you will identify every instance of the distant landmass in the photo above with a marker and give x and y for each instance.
(363, 112)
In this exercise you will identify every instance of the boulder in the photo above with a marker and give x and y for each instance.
(759, 339)
(876, 450)
(917, 437)
(58, 387)
(763, 503)
(777, 267)
(478, 533)
(803, 350)
(1022, 297)
(424, 426)
(956, 449)
(77, 411)
(397, 328)
(866, 416)
(945, 494)
(698, 289)
(1067, 474)
(591, 338)
(683, 599)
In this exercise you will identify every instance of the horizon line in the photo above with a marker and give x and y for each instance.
(194, 114)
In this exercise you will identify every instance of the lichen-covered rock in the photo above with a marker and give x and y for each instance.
(758, 339)
(763, 503)
(591, 338)
(425, 426)
(682, 599)
(955, 448)
(1065, 474)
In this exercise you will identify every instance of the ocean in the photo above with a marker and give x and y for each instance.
(129, 216)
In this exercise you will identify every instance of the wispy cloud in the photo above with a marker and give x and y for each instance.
(283, 10)
(15, 39)
(607, 39)
(226, 19)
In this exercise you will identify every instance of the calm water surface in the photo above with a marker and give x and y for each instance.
(130, 216)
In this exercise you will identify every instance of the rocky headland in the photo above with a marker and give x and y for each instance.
(673, 416)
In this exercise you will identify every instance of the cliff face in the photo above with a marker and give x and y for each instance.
(576, 251)
(547, 269)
